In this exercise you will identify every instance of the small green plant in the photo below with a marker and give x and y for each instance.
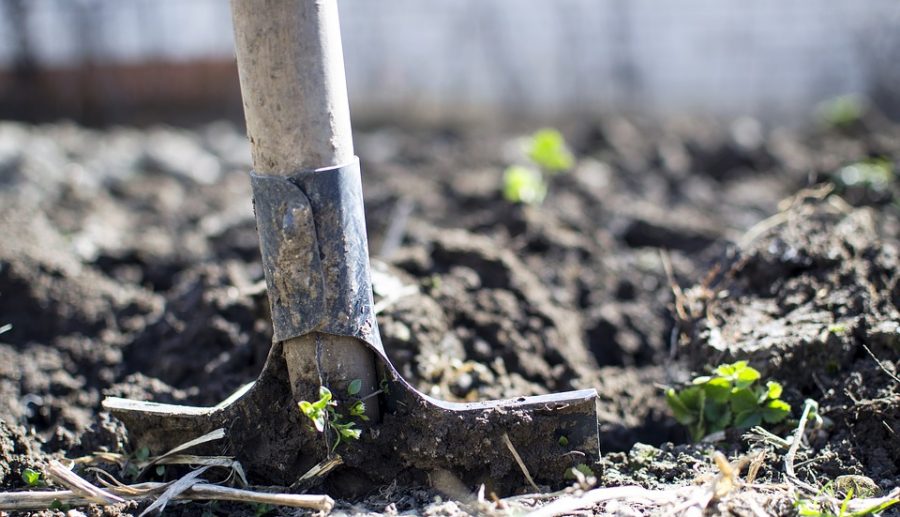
(141, 455)
(732, 397)
(524, 185)
(324, 415)
(581, 468)
(138, 457)
(260, 509)
(548, 150)
(59, 506)
(822, 506)
(838, 329)
(874, 174)
(842, 112)
(548, 155)
(32, 478)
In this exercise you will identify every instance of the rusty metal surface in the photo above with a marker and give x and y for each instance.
(315, 253)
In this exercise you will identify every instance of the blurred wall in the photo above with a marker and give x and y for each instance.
(477, 59)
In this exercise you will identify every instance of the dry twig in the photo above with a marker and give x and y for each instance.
(65, 477)
(38, 500)
(175, 489)
(795, 444)
(881, 365)
(521, 463)
(320, 469)
(587, 500)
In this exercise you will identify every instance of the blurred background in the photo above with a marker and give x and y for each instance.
(144, 61)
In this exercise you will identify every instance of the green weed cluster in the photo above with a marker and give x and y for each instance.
(733, 397)
(32, 478)
(842, 112)
(874, 174)
(816, 507)
(547, 155)
(323, 413)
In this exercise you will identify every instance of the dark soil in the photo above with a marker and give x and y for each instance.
(129, 266)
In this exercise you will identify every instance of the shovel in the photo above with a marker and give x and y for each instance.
(308, 201)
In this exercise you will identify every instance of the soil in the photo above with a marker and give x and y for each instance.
(130, 267)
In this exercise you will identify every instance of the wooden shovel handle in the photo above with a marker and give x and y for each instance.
(291, 68)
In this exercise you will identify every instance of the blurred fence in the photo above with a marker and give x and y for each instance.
(406, 59)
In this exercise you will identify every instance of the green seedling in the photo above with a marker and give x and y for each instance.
(581, 468)
(32, 478)
(59, 506)
(875, 174)
(142, 454)
(323, 413)
(354, 387)
(524, 185)
(138, 457)
(816, 507)
(260, 509)
(838, 329)
(548, 155)
(548, 150)
(842, 112)
(733, 397)
(318, 411)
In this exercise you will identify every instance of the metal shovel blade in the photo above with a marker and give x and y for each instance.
(417, 434)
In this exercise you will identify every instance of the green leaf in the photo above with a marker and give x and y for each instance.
(358, 408)
(746, 376)
(548, 150)
(874, 173)
(59, 506)
(718, 389)
(703, 379)
(692, 398)
(160, 470)
(774, 390)
(728, 370)
(324, 394)
(350, 433)
(582, 468)
(318, 420)
(354, 387)
(306, 408)
(324, 399)
(523, 185)
(776, 411)
(563, 441)
(698, 431)
(31, 477)
(142, 454)
(841, 111)
(747, 419)
(743, 399)
(718, 417)
(680, 411)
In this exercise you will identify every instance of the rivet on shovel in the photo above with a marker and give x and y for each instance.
(309, 212)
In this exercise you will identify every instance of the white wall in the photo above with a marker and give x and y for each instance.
(445, 58)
